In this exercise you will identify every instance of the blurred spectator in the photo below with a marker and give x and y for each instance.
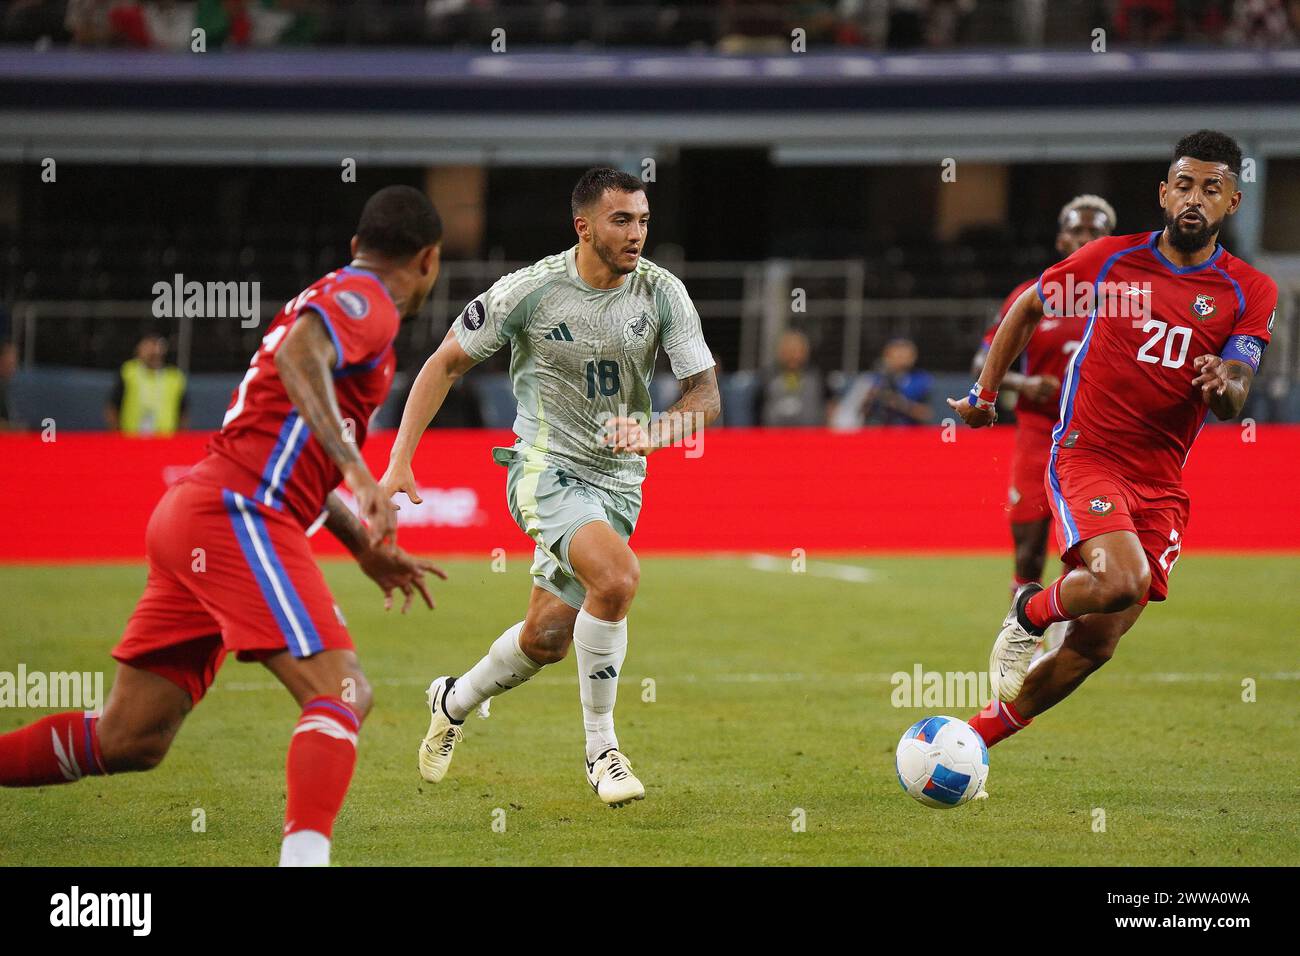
(794, 393)
(1146, 21)
(896, 392)
(150, 397)
(1265, 22)
(170, 24)
(945, 22)
(732, 26)
(925, 23)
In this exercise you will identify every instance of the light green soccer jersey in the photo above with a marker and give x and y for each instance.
(581, 355)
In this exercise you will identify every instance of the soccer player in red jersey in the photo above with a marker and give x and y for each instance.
(230, 566)
(1038, 392)
(1176, 328)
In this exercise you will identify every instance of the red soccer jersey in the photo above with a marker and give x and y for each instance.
(1128, 398)
(1048, 352)
(264, 450)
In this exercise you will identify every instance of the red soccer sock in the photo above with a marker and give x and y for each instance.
(998, 721)
(59, 748)
(1044, 608)
(322, 756)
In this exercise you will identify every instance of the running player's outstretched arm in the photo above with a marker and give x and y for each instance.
(435, 380)
(305, 361)
(1012, 336)
(1039, 388)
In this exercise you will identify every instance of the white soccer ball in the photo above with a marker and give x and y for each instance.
(942, 762)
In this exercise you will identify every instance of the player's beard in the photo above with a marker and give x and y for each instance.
(1189, 240)
(610, 257)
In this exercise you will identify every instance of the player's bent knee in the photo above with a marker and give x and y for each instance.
(1122, 590)
(617, 586)
(357, 694)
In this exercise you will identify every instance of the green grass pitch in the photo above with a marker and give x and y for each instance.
(771, 695)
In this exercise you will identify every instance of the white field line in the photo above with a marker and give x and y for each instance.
(818, 569)
(796, 678)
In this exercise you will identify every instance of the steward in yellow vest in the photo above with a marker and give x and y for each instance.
(149, 398)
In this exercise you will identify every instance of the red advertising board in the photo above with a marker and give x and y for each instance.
(87, 497)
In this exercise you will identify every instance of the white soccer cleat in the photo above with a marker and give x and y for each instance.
(612, 778)
(440, 741)
(1013, 650)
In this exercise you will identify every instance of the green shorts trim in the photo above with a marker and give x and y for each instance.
(550, 502)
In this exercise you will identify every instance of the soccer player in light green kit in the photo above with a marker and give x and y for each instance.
(584, 328)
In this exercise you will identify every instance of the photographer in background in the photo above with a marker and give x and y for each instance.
(896, 392)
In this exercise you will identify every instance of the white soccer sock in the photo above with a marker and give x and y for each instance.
(601, 647)
(305, 848)
(504, 666)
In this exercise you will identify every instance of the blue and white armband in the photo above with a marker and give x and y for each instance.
(1248, 349)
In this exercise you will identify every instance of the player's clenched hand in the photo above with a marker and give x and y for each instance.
(400, 477)
(972, 416)
(1213, 379)
(626, 435)
(392, 569)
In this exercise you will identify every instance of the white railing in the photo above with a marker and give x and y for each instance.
(745, 307)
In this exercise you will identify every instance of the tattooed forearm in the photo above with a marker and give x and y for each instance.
(344, 525)
(699, 406)
(1230, 402)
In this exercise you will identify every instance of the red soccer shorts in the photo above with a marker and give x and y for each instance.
(1027, 496)
(1089, 498)
(225, 574)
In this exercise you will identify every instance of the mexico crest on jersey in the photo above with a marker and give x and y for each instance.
(1101, 505)
(637, 329)
(1203, 307)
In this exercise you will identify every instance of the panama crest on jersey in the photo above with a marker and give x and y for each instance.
(1203, 306)
(1101, 505)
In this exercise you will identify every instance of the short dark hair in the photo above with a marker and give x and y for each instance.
(1210, 146)
(595, 181)
(397, 222)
